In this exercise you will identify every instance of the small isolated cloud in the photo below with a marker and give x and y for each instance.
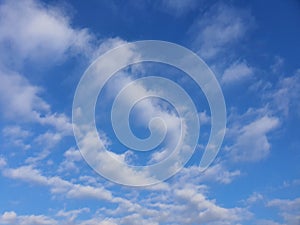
(236, 72)
(255, 197)
(278, 64)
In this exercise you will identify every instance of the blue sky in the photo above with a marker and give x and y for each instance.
(253, 50)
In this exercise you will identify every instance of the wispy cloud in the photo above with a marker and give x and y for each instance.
(289, 209)
(236, 72)
(250, 139)
(219, 28)
(12, 218)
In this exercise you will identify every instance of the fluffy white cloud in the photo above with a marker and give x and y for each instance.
(21, 102)
(238, 71)
(185, 204)
(57, 184)
(71, 157)
(32, 30)
(182, 202)
(19, 99)
(198, 209)
(250, 140)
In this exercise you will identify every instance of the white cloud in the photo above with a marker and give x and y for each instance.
(278, 64)
(3, 162)
(238, 71)
(144, 111)
(20, 101)
(71, 157)
(198, 209)
(289, 209)
(286, 95)
(57, 184)
(48, 139)
(16, 132)
(71, 215)
(32, 30)
(219, 28)
(250, 141)
(182, 204)
(204, 118)
(11, 218)
(267, 222)
(216, 173)
(178, 7)
(255, 197)
(16, 136)
(25, 173)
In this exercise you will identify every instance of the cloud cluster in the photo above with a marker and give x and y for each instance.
(31, 31)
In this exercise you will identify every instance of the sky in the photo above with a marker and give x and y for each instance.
(47, 175)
